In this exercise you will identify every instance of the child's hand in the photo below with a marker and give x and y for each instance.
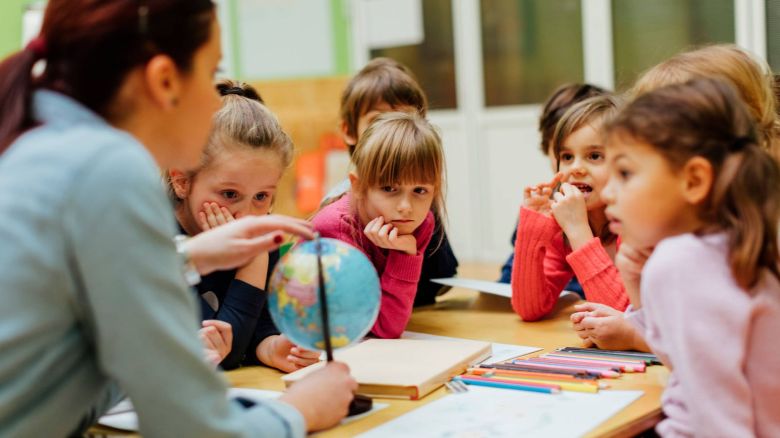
(629, 261)
(217, 339)
(277, 351)
(606, 328)
(539, 197)
(213, 216)
(386, 236)
(569, 210)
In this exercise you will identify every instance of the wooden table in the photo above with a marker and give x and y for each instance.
(468, 314)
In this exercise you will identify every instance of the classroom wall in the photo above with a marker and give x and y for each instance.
(11, 12)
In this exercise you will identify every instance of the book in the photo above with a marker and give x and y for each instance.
(404, 368)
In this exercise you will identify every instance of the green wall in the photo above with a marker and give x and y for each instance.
(11, 12)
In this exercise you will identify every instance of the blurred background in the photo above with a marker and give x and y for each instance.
(486, 66)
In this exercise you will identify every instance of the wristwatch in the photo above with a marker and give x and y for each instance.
(188, 269)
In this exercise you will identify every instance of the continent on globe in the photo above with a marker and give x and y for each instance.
(351, 285)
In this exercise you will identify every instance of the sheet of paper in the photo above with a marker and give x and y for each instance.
(490, 412)
(501, 352)
(122, 416)
(491, 287)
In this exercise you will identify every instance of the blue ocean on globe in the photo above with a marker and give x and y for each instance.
(351, 285)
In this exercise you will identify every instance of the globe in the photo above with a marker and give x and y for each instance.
(351, 286)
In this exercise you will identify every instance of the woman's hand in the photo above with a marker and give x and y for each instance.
(277, 351)
(217, 339)
(237, 242)
(323, 396)
(386, 236)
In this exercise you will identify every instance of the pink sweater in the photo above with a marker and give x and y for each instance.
(399, 272)
(719, 342)
(544, 265)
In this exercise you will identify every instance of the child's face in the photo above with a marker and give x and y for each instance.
(364, 121)
(242, 180)
(583, 161)
(644, 195)
(405, 206)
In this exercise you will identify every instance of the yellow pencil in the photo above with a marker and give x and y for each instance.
(566, 386)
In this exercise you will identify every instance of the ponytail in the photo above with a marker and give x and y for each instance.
(745, 202)
(16, 84)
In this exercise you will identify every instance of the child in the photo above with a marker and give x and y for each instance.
(397, 190)
(563, 233)
(245, 157)
(601, 325)
(689, 177)
(385, 85)
(561, 99)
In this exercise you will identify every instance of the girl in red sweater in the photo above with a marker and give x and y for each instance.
(397, 190)
(562, 227)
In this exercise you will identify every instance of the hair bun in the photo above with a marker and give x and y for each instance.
(239, 89)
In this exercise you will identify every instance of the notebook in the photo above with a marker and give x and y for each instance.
(404, 368)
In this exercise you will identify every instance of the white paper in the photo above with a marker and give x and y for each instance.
(393, 23)
(122, 416)
(491, 287)
(491, 412)
(501, 352)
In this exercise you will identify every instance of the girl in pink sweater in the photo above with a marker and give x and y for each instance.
(564, 232)
(689, 178)
(397, 191)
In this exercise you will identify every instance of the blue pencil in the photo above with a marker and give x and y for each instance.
(502, 385)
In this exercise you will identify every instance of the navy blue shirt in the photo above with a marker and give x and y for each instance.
(222, 297)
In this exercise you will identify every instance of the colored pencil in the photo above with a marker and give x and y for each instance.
(531, 375)
(615, 366)
(515, 367)
(585, 386)
(502, 385)
(597, 371)
(626, 367)
(649, 358)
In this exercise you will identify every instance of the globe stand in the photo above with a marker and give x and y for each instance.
(361, 403)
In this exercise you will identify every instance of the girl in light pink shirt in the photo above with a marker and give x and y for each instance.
(689, 179)
(397, 191)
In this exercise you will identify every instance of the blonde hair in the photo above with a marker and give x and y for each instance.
(242, 121)
(750, 75)
(401, 148)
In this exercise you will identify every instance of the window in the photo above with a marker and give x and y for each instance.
(773, 34)
(647, 32)
(529, 48)
(433, 60)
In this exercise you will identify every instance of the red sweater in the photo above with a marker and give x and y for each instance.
(544, 265)
(399, 272)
